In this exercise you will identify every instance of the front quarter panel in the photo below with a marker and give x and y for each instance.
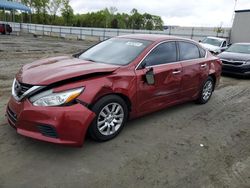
(122, 82)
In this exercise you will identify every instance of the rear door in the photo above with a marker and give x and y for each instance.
(168, 75)
(194, 67)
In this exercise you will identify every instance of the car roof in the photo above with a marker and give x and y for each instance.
(152, 37)
(221, 39)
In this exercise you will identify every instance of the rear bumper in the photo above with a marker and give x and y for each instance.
(61, 125)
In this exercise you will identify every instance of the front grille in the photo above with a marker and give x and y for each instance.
(11, 115)
(235, 63)
(21, 88)
(48, 131)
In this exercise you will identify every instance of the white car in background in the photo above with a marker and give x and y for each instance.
(214, 44)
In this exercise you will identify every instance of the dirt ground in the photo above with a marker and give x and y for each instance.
(189, 145)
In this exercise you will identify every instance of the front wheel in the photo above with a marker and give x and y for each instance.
(207, 91)
(111, 115)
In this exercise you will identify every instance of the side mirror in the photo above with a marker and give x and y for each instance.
(199, 40)
(150, 77)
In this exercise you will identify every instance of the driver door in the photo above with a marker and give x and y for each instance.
(167, 79)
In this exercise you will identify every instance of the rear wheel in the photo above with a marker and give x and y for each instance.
(111, 115)
(207, 91)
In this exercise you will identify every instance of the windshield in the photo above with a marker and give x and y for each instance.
(239, 48)
(212, 41)
(116, 51)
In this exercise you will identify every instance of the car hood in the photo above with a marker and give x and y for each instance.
(210, 47)
(234, 56)
(51, 70)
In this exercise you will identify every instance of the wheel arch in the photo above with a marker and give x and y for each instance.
(121, 95)
(104, 100)
(212, 75)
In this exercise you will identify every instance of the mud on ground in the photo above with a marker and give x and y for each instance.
(184, 146)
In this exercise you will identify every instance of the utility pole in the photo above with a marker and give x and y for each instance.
(235, 4)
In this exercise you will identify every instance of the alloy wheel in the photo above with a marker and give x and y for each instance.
(207, 90)
(110, 119)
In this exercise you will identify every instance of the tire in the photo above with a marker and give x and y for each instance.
(111, 115)
(206, 91)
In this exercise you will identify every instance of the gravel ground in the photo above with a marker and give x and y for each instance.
(184, 146)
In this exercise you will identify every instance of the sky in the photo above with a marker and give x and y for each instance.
(204, 13)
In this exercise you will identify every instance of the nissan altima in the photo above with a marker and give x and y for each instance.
(60, 99)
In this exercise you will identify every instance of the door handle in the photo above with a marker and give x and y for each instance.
(203, 65)
(176, 72)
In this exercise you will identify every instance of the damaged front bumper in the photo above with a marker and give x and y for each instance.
(66, 125)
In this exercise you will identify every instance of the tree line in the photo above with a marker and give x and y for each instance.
(59, 12)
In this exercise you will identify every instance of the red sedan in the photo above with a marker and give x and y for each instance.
(60, 99)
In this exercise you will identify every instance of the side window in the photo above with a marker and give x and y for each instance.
(164, 53)
(224, 44)
(202, 52)
(188, 51)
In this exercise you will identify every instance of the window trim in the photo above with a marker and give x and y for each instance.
(178, 59)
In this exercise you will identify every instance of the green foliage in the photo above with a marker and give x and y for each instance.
(54, 7)
(59, 12)
(219, 30)
(67, 12)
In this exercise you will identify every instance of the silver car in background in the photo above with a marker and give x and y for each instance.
(214, 44)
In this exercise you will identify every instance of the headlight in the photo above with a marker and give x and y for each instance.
(247, 62)
(49, 98)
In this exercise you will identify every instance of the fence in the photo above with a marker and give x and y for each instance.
(85, 33)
